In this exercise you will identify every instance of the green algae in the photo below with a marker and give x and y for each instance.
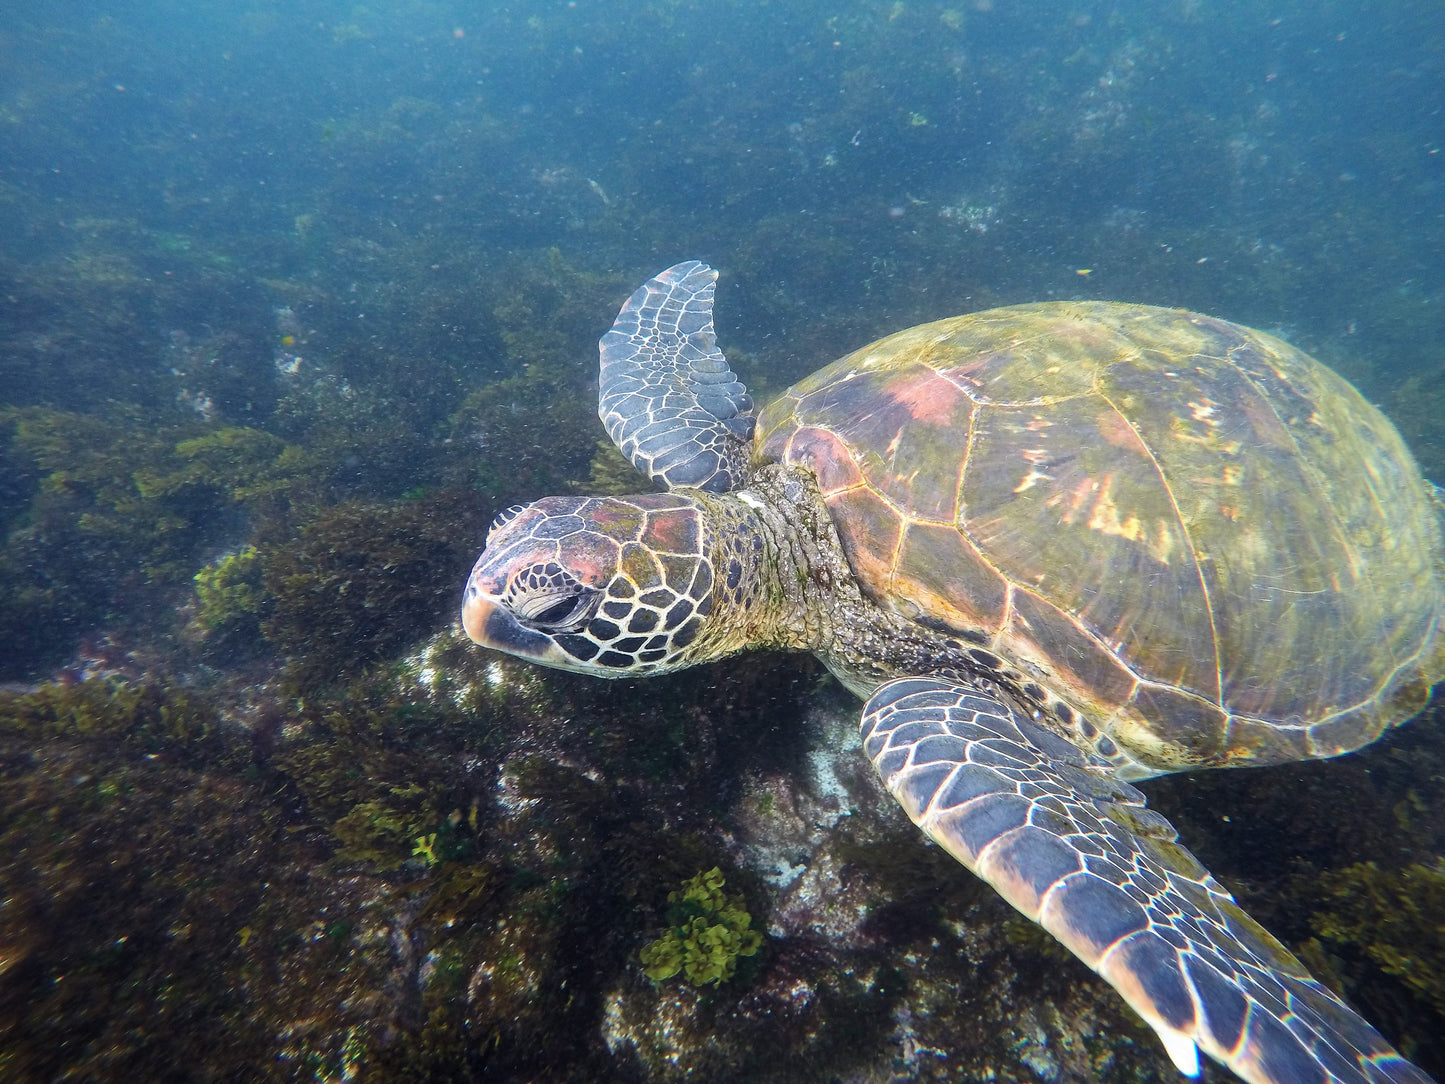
(611, 473)
(113, 513)
(374, 802)
(242, 465)
(1395, 917)
(228, 591)
(381, 832)
(135, 848)
(149, 717)
(709, 932)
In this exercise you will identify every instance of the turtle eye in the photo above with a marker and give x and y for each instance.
(550, 599)
(564, 614)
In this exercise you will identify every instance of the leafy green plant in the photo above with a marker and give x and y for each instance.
(228, 590)
(709, 932)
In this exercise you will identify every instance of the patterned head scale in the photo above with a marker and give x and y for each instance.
(615, 586)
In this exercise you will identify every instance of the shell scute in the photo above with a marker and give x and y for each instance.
(1090, 525)
(640, 565)
(918, 468)
(1197, 731)
(900, 428)
(871, 538)
(824, 453)
(1084, 667)
(671, 531)
(973, 595)
(983, 355)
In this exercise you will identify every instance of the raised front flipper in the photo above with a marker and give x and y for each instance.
(1076, 851)
(668, 399)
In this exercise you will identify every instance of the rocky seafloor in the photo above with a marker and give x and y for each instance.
(449, 868)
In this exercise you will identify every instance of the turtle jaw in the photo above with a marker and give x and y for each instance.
(492, 625)
(489, 625)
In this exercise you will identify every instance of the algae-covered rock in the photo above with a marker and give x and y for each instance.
(1395, 918)
(366, 579)
(150, 718)
(111, 516)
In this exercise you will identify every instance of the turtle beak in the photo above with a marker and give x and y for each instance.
(492, 625)
(477, 609)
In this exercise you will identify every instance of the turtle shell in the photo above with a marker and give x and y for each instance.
(1200, 537)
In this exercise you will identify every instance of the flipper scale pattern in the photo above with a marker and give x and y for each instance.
(1077, 851)
(667, 397)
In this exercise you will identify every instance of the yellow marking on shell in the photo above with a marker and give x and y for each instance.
(1029, 479)
(1075, 497)
(1231, 474)
(1138, 737)
(1204, 412)
(1163, 544)
(1208, 439)
(1035, 458)
(1105, 518)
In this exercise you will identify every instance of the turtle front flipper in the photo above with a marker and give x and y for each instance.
(1076, 851)
(667, 397)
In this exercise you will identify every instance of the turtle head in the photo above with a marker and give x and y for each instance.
(613, 586)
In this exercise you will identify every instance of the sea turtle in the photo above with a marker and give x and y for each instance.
(1055, 547)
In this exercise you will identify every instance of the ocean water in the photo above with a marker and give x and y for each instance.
(295, 297)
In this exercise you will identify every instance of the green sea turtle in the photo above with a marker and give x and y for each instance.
(1055, 547)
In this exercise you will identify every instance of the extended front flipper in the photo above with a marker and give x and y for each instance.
(1077, 852)
(667, 397)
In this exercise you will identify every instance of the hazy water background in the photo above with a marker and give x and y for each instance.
(263, 261)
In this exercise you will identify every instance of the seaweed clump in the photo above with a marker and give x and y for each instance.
(150, 718)
(710, 931)
(229, 605)
(106, 518)
(372, 773)
(1395, 917)
(156, 891)
(364, 580)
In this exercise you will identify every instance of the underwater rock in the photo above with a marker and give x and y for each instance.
(863, 979)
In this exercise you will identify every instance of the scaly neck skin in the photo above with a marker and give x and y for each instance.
(796, 589)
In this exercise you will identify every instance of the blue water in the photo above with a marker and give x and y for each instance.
(366, 250)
